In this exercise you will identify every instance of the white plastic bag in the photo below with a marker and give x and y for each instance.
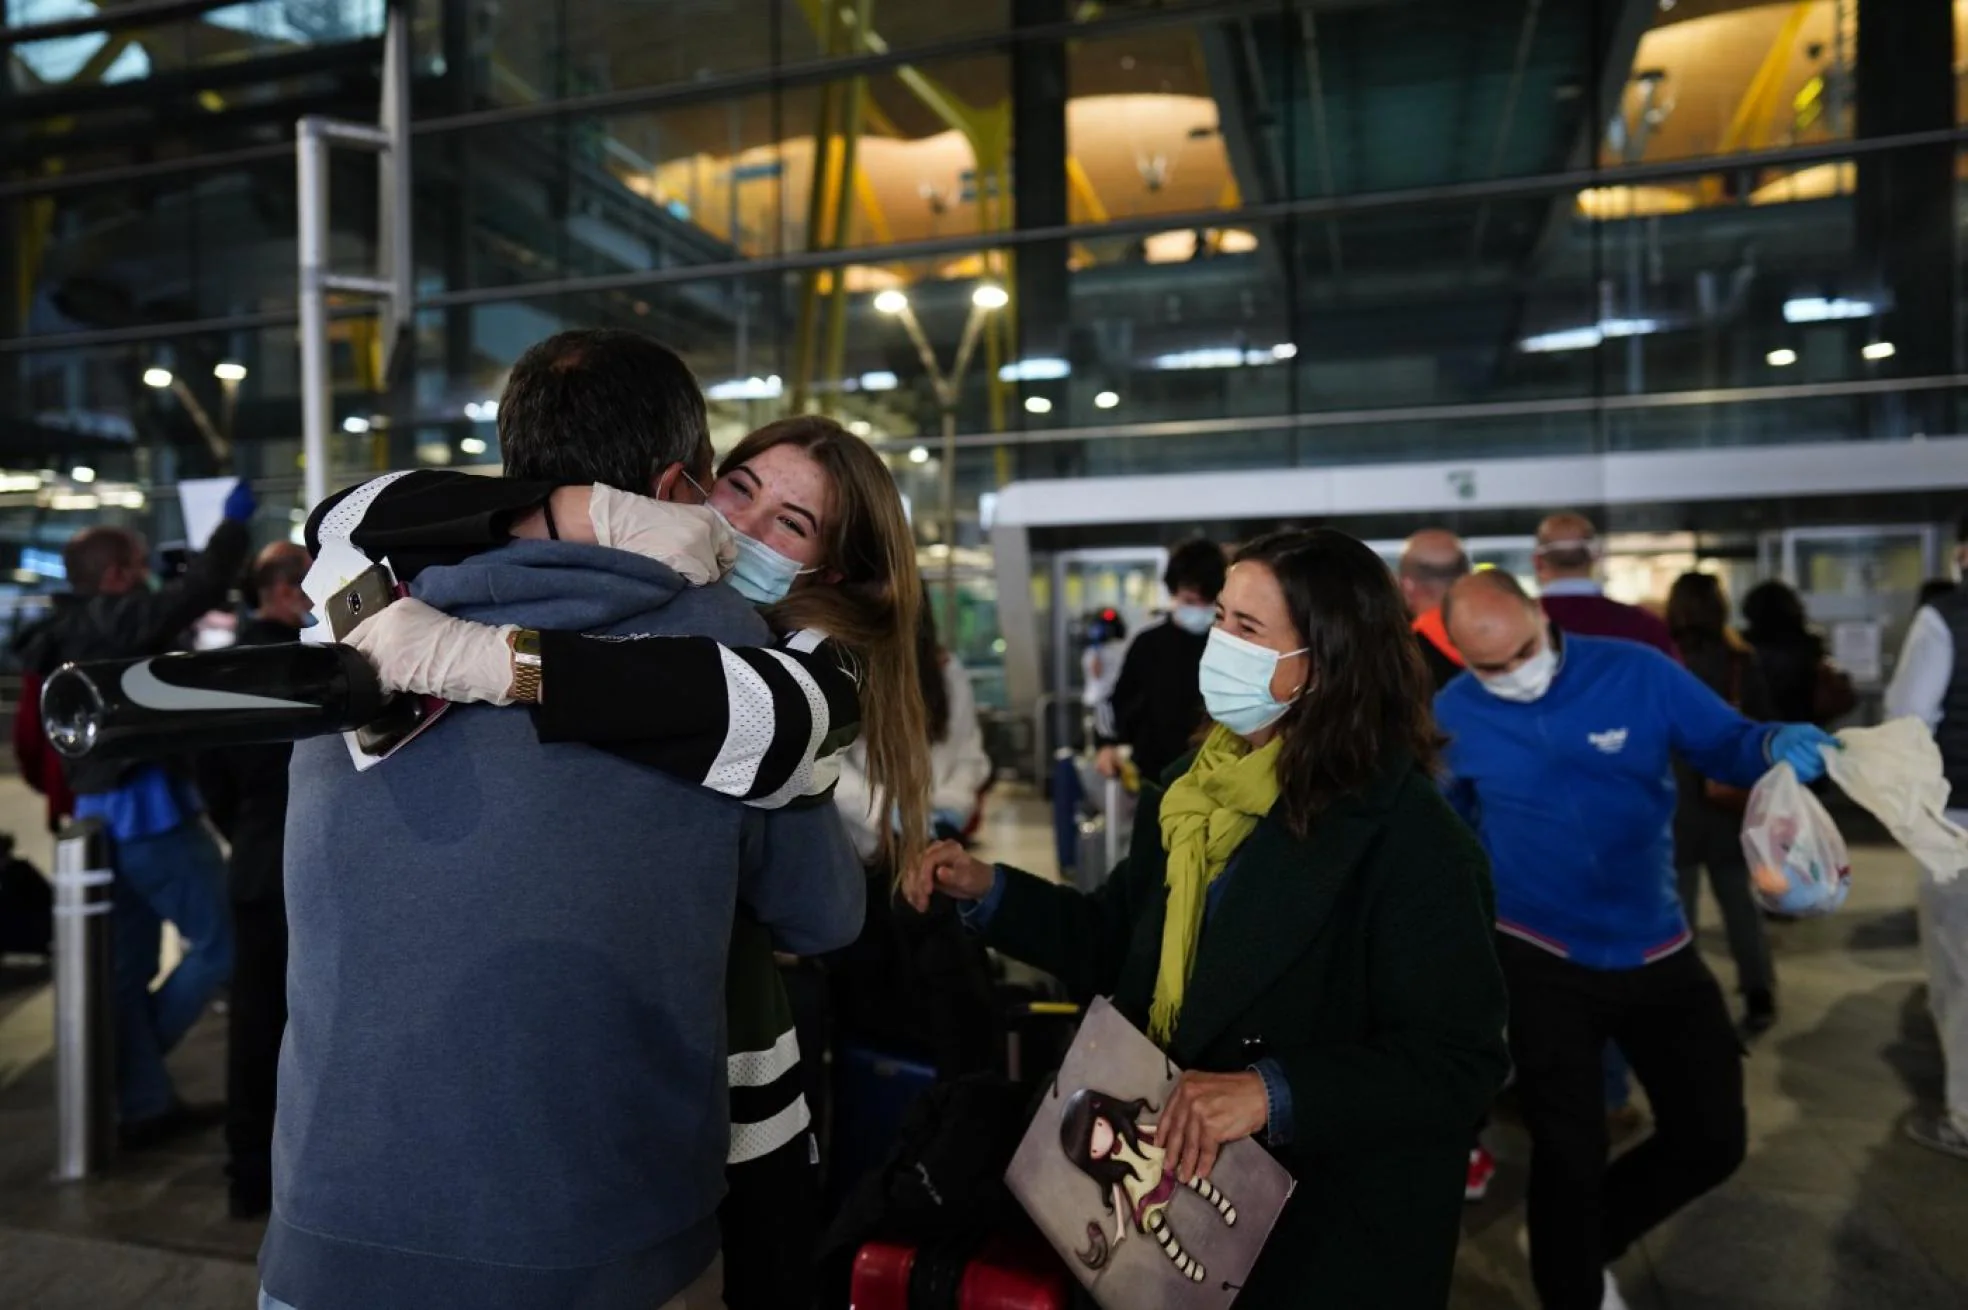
(1797, 860)
(1894, 770)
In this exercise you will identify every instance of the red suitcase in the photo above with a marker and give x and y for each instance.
(1004, 1275)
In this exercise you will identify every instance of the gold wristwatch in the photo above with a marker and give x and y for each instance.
(525, 644)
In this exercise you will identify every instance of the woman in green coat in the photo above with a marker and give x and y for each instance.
(1304, 925)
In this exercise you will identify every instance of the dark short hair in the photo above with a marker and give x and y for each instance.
(1697, 607)
(1195, 563)
(602, 405)
(1370, 696)
(1774, 609)
(93, 552)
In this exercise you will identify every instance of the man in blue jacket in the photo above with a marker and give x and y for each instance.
(503, 1084)
(1559, 755)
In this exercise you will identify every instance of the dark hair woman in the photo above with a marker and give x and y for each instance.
(1345, 1002)
(1789, 653)
(1708, 815)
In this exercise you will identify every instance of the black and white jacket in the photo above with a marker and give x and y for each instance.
(762, 724)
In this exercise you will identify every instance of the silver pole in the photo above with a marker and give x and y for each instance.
(1110, 807)
(393, 189)
(85, 1052)
(311, 168)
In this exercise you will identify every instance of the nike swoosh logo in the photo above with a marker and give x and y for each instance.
(153, 693)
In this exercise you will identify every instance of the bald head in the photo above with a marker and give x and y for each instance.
(277, 575)
(1431, 562)
(1567, 547)
(1493, 622)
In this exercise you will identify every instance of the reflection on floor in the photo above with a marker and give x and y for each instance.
(1833, 1211)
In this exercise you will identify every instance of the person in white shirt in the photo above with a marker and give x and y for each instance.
(1931, 683)
(958, 766)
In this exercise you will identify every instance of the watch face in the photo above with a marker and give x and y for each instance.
(526, 642)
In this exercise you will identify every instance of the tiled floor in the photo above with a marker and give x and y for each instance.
(1833, 1211)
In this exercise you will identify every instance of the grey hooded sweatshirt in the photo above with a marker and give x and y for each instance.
(503, 1080)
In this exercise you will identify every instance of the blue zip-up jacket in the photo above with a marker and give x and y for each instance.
(1573, 795)
(503, 1084)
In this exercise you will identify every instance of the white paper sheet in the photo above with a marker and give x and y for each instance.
(203, 501)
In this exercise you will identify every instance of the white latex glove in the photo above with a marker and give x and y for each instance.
(428, 653)
(691, 539)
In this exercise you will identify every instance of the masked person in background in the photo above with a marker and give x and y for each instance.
(168, 866)
(1559, 755)
(1432, 561)
(822, 545)
(1303, 925)
(1156, 705)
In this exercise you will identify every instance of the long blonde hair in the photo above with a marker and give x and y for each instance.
(872, 612)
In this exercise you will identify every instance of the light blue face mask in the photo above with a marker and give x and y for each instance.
(1194, 619)
(761, 575)
(1236, 681)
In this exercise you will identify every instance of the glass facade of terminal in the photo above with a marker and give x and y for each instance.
(1181, 236)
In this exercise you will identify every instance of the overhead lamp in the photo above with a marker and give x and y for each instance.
(860, 427)
(989, 295)
(1825, 309)
(891, 302)
(355, 425)
(1878, 350)
(158, 378)
(919, 455)
(472, 445)
(82, 473)
(752, 388)
(227, 370)
(1037, 405)
(880, 380)
(1106, 400)
(1037, 369)
(1782, 357)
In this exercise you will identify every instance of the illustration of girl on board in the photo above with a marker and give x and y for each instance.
(1107, 1139)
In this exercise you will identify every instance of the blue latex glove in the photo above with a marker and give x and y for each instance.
(1798, 745)
(240, 502)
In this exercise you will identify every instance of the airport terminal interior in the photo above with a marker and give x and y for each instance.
(1092, 277)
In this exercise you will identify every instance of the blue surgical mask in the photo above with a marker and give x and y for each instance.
(762, 575)
(1194, 619)
(1236, 681)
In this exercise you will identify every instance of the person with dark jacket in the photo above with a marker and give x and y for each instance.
(1708, 814)
(1565, 561)
(245, 789)
(1303, 925)
(167, 863)
(1789, 653)
(1432, 561)
(1156, 705)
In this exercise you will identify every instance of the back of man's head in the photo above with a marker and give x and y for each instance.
(603, 405)
(277, 576)
(103, 561)
(1431, 562)
(1567, 547)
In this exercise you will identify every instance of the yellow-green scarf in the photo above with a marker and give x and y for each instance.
(1206, 815)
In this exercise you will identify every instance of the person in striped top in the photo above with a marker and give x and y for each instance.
(822, 544)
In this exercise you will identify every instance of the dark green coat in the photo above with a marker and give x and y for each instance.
(1360, 959)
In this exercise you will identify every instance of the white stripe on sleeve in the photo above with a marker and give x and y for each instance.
(748, 731)
(763, 1068)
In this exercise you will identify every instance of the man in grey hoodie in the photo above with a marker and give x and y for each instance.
(503, 1082)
